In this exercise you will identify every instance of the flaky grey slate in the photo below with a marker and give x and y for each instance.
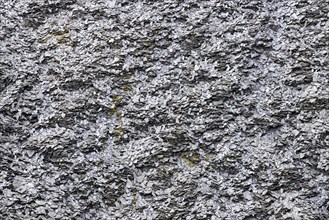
(164, 109)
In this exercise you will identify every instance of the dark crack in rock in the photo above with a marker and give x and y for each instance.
(120, 109)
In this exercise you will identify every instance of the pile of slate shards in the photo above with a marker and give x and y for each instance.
(164, 109)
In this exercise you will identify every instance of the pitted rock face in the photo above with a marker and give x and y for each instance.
(164, 109)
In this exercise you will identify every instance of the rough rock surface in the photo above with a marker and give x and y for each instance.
(164, 109)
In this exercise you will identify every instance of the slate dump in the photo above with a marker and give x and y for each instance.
(164, 109)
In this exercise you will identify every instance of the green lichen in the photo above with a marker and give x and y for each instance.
(57, 34)
(134, 200)
(60, 33)
(118, 100)
(113, 110)
(118, 131)
(207, 158)
(127, 88)
(74, 43)
(117, 142)
(119, 115)
(191, 159)
(63, 40)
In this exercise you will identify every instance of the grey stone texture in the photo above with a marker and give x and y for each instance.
(164, 109)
